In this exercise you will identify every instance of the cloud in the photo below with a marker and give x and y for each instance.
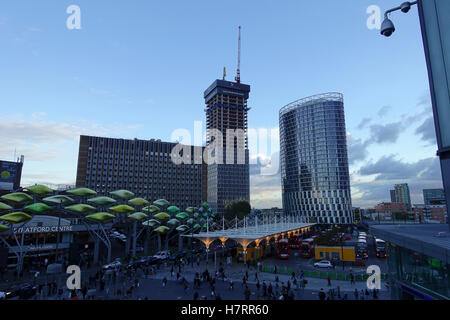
(364, 122)
(371, 184)
(383, 111)
(357, 149)
(43, 140)
(388, 133)
(426, 131)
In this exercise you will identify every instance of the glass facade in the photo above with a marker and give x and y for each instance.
(417, 276)
(314, 161)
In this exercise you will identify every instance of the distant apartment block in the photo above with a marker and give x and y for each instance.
(433, 197)
(401, 194)
(144, 167)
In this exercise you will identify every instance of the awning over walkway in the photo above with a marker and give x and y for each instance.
(247, 235)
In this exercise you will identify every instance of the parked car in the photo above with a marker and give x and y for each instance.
(23, 291)
(113, 265)
(162, 255)
(324, 264)
(2, 295)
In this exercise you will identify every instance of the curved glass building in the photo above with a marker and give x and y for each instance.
(314, 163)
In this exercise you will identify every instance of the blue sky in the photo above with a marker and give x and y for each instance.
(139, 69)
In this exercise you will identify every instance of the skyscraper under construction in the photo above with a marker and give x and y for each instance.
(226, 109)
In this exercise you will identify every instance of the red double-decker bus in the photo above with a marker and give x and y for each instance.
(294, 242)
(306, 248)
(283, 249)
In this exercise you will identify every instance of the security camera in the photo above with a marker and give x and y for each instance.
(405, 6)
(387, 28)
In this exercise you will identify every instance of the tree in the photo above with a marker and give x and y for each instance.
(238, 209)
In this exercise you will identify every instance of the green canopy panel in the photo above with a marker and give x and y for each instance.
(16, 217)
(202, 220)
(190, 221)
(182, 216)
(101, 217)
(196, 215)
(39, 190)
(161, 203)
(173, 222)
(161, 216)
(173, 209)
(122, 209)
(82, 192)
(151, 223)
(122, 194)
(59, 199)
(38, 208)
(196, 226)
(162, 229)
(182, 228)
(4, 207)
(17, 197)
(81, 208)
(3, 228)
(151, 209)
(190, 210)
(138, 202)
(205, 205)
(138, 216)
(102, 201)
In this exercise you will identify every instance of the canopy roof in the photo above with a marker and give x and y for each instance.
(253, 233)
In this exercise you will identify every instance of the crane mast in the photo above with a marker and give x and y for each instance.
(238, 75)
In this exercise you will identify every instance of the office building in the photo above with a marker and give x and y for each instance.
(226, 109)
(401, 194)
(433, 197)
(144, 167)
(10, 175)
(314, 163)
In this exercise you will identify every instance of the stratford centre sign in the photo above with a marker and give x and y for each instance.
(44, 224)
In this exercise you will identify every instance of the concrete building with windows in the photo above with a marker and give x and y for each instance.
(227, 109)
(401, 194)
(314, 162)
(144, 167)
(433, 197)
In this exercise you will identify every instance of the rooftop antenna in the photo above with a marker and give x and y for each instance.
(224, 73)
(238, 75)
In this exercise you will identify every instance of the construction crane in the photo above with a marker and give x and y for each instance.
(238, 75)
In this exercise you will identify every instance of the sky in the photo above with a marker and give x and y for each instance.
(138, 69)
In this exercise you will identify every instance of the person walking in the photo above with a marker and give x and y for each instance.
(356, 294)
(322, 294)
(258, 286)
(264, 289)
(247, 293)
(195, 295)
(231, 285)
(329, 281)
(164, 281)
(244, 281)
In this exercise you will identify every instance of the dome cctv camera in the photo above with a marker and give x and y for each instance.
(387, 28)
(405, 6)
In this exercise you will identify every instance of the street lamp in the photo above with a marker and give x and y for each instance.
(387, 27)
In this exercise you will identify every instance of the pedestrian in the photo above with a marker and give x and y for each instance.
(295, 283)
(231, 284)
(258, 286)
(264, 287)
(356, 294)
(195, 295)
(164, 281)
(256, 276)
(185, 286)
(244, 281)
(293, 275)
(322, 294)
(247, 293)
(171, 272)
(276, 281)
(178, 276)
(352, 278)
(270, 289)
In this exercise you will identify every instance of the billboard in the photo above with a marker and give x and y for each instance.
(9, 175)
